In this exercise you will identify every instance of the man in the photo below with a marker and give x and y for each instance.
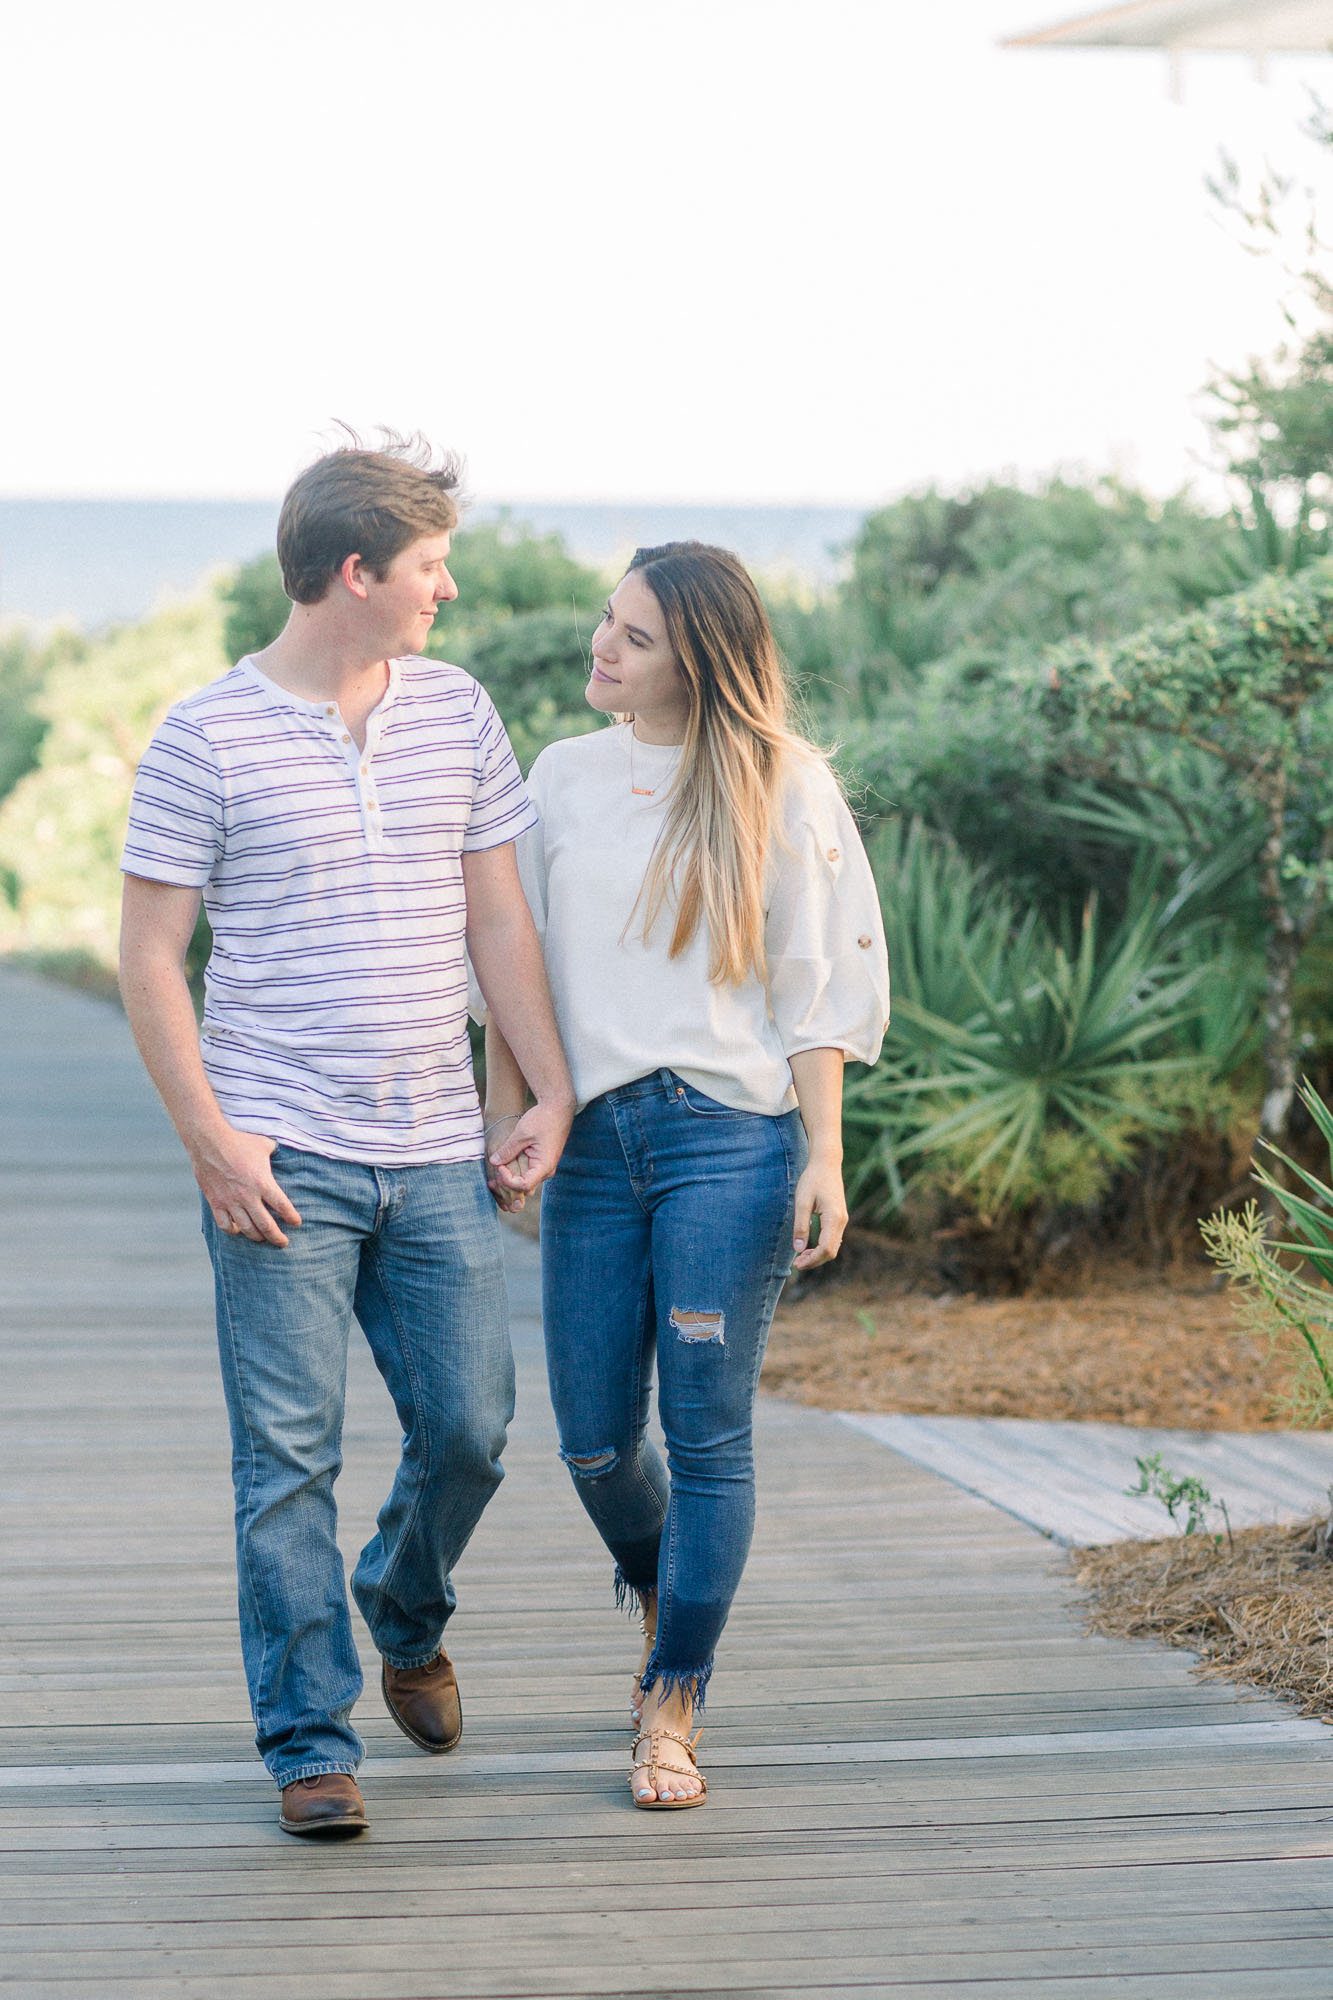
(348, 812)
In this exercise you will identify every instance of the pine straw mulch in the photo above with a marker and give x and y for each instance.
(1130, 1347)
(1258, 1611)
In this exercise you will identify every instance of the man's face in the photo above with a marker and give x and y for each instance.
(414, 586)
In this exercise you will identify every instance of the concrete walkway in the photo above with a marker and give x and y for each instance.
(926, 1779)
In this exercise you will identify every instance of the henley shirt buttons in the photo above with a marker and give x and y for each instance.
(347, 739)
(865, 943)
(833, 854)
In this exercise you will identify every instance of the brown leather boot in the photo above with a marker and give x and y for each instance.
(424, 1702)
(327, 1808)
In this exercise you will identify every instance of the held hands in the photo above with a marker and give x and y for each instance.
(819, 1192)
(526, 1152)
(498, 1177)
(237, 1182)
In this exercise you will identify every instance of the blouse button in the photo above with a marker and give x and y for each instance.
(833, 854)
(347, 739)
(865, 943)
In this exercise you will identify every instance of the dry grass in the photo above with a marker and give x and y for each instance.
(1260, 1611)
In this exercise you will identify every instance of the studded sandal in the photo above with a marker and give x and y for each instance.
(654, 1763)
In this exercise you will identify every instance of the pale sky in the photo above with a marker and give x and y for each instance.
(713, 249)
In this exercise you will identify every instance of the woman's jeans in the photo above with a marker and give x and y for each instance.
(415, 1254)
(669, 1225)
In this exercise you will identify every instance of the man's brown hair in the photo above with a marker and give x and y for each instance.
(374, 504)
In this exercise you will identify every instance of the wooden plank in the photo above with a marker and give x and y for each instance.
(1166, 1752)
(472, 1966)
(717, 1936)
(770, 1982)
(1030, 1896)
(1215, 1842)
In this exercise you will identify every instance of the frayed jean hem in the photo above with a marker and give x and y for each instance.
(630, 1596)
(689, 1682)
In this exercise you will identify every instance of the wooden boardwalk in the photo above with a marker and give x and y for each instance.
(1069, 1479)
(925, 1779)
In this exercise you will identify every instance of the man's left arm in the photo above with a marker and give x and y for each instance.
(507, 959)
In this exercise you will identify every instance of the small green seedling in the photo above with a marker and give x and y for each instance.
(1158, 1482)
(866, 1322)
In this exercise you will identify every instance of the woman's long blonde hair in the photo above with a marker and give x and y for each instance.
(709, 861)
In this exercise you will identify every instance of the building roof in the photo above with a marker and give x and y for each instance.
(1251, 26)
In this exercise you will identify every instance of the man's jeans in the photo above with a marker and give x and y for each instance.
(415, 1254)
(667, 1225)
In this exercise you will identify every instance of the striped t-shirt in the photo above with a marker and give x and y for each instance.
(335, 1017)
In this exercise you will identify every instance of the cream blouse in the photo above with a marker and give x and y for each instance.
(624, 1007)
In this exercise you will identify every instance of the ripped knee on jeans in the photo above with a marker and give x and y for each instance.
(699, 1326)
(587, 1465)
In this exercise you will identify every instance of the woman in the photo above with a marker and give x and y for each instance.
(715, 950)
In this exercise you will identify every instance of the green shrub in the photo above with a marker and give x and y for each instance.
(984, 577)
(23, 669)
(1247, 683)
(63, 825)
(504, 570)
(534, 666)
(973, 764)
(255, 607)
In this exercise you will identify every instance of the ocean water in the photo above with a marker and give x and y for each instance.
(100, 562)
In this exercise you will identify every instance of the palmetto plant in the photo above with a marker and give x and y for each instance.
(1019, 1064)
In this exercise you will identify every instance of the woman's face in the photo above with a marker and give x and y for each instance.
(634, 670)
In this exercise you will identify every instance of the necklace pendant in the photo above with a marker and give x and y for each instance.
(638, 791)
